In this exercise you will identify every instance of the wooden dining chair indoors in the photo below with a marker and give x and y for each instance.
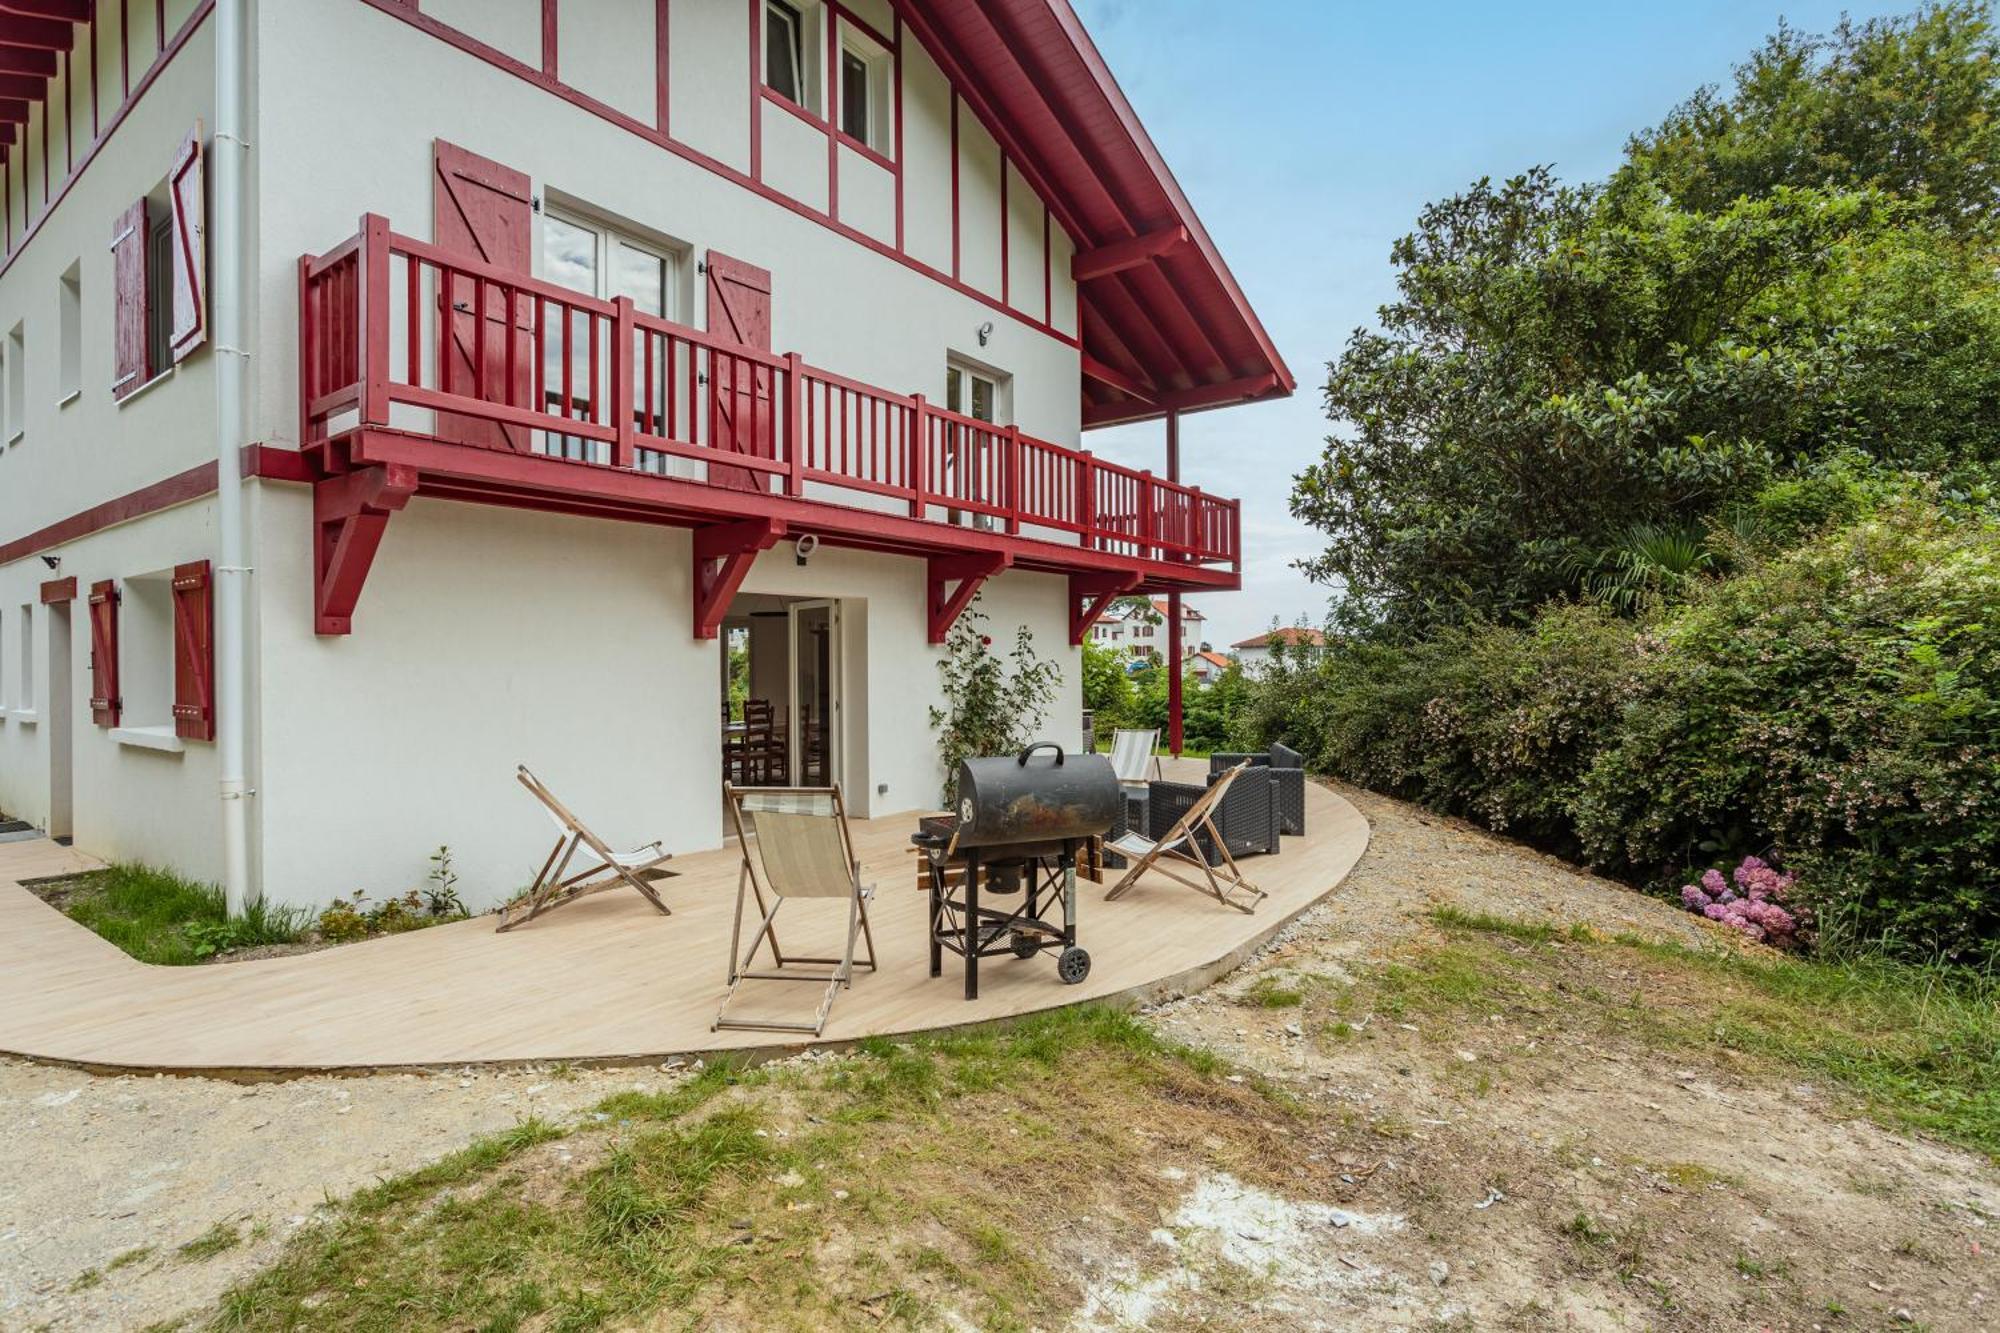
(1192, 841)
(601, 868)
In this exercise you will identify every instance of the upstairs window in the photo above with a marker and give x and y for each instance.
(159, 261)
(787, 72)
(17, 383)
(70, 321)
(865, 72)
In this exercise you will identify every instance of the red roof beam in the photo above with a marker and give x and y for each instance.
(1117, 379)
(28, 86)
(13, 110)
(36, 34)
(1121, 255)
(25, 60)
(68, 11)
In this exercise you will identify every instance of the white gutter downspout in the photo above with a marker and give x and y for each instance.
(232, 593)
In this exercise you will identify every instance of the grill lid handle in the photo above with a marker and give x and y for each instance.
(1022, 758)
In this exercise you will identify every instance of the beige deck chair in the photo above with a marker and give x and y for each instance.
(602, 867)
(795, 843)
(1220, 879)
(1132, 757)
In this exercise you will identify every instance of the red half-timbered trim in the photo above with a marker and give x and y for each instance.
(105, 704)
(25, 79)
(194, 652)
(753, 179)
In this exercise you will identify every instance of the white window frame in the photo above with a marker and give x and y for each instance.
(998, 381)
(24, 675)
(17, 382)
(69, 320)
(804, 18)
(612, 233)
(878, 69)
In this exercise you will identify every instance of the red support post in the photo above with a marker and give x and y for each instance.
(373, 319)
(1174, 649)
(1086, 500)
(795, 456)
(623, 450)
(1013, 479)
(919, 454)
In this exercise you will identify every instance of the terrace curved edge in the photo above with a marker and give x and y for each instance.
(606, 981)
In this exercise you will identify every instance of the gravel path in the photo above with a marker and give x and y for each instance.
(95, 1170)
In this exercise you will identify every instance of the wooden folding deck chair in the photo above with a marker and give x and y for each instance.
(1220, 879)
(1132, 757)
(606, 869)
(795, 843)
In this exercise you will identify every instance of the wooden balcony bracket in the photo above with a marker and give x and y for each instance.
(968, 572)
(350, 513)
(722, 556)
(1090, 596)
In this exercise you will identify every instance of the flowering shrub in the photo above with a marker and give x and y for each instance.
(1754, 904)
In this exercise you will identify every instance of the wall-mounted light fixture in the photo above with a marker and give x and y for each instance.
(985, 332)
(804, 547)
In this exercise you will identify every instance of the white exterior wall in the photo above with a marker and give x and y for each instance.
(78, 452)
(486, 637)
(132, 802)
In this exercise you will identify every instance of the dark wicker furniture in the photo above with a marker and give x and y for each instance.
(1288, 770)
(1247, 818)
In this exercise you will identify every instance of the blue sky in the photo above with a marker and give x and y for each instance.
(1307, 136)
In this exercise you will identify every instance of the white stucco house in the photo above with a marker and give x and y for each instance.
(1137, 631)
(1255, 652)
(397, 391)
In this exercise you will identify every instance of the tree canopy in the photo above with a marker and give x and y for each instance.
(1798, 271)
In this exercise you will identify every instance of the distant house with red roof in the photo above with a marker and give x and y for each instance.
(1206, 666)
(1255, 653)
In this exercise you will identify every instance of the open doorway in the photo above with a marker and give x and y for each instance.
(781, 691)
(61, 691)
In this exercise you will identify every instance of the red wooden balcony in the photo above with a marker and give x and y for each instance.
(423, 371)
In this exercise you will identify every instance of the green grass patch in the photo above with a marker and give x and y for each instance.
(159, 917)
(706, 1204)
(1918, 1046)
(138, 1255)
(218, 1238)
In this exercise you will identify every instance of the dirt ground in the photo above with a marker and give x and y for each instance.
(1520, 1174)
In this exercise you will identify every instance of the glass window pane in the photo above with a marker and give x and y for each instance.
(982, 398)
(954, 390)
(569, 255)
(643, 277)
(781, 49)
(853, 96)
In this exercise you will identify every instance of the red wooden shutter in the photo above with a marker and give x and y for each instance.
(128, 265)
(105, 705)
(184, 185)
(194, 653)
(485, 211)
(740, 409)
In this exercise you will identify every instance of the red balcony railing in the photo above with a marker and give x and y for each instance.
(395, 332)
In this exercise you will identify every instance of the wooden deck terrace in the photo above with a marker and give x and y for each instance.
(606, 979)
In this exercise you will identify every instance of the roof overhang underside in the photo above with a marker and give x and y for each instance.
(1164, 325)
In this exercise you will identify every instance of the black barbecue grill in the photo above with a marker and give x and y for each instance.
(1020, 823)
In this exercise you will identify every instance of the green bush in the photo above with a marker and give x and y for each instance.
(1840, 705)
(1491, 722)
(1834, 707)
